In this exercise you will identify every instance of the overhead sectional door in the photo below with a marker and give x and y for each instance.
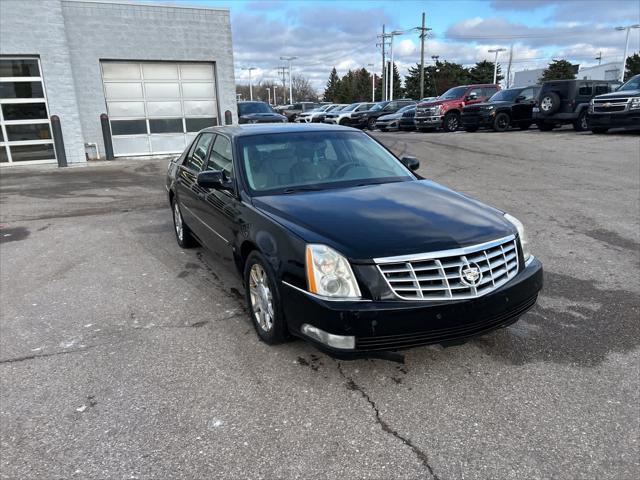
(157, 108)
(25, 130)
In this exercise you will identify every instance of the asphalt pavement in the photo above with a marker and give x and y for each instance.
(123, 356)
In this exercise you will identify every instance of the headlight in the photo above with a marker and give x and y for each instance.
(329, 273)
(635, 103)
(490, 107)
(524, 241)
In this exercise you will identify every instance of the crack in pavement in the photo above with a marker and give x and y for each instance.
(43, 355)
(422, 456)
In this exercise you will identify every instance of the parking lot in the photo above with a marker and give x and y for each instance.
(123, 356)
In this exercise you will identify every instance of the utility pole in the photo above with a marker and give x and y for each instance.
(373, 82)
(599, 57)
(391, 69)
(495, 62)
(250, 85)
(423, 36)
(509, 67)
(626, 48)
(289, 59)
(281, 73)
(383, 94)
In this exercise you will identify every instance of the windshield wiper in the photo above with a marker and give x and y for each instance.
(306, 188)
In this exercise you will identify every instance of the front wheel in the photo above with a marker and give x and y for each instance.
(599, 130)
(451, 122)
(183, 234)
(580, 125)
(502, 122)
(371, 124)
(263, 299)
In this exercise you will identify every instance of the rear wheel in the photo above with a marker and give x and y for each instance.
(451, 122)
(580, 125)
(371, 124)
(502, 122)
(263, 300)
(599, 130)
(545, 127)
(183, 234)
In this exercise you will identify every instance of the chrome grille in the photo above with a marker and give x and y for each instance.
(439, 275)
(610, 104)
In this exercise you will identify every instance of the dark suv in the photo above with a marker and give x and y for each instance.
(369, 117)
(292, 112)
(618, 109)
(561, 102)
(506, 108)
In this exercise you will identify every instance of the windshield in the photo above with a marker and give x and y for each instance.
(379, 106)
(253, 107)
(455, 92)
(285, 162)
(506, 95)
(350, 108)
(406, 109)
(336, 108)
(633, 84)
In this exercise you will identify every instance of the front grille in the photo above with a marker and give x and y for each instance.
(409, 114)
(609, 105)
(427, 111)
(449, 274)
(478, 327)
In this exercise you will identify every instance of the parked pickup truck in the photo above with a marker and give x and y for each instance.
(507, 108)
(445, 111)
(618, 109)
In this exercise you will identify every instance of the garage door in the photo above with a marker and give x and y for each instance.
(157, 108)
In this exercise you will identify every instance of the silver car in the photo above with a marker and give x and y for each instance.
(391, 122)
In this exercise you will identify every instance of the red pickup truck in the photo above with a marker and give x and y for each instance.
(445, 110)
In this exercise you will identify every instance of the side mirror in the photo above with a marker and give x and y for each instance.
(520, 98)
(215, 179)
(412, 163)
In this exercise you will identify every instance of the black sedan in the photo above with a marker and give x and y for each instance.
(258, 112)
(341, 243)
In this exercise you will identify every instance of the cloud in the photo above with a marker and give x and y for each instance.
(577, 10)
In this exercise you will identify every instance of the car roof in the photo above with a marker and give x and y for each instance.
(251, 101)
(247, 130)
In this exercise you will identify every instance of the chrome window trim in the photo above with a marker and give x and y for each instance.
(444, 253)
(202, 221)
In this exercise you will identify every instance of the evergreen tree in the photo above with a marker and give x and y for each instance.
(346, 88)
(558, 70)
(446, 75)
(331, 92)
(412, 82)
(398, 91)
(482, 72)
(362, 90)
(632, 66)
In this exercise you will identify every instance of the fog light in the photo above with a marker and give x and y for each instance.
(336, 341)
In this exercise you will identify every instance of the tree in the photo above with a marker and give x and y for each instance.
(398, 91)
(362, 86)
(482, 72)
(632, 66)
(558, 70)
(446, 75)
(302, 89)
(333, 87)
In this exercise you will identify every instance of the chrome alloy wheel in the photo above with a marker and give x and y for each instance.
(261, 297)
(546, 104)
(177, 221)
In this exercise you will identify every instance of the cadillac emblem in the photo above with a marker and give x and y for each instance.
(470, 274)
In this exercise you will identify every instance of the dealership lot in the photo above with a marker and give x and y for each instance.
(122, 356)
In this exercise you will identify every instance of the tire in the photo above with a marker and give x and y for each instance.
(524, 126)
(502, 122)
(549, 103)
(545, 127)
(263, 300)
(183, 234)
(581, 125)
(342, 122)
(599, 130)
(451, 122)
(371, 124)
(470, 129)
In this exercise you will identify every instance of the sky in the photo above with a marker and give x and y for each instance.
(324, 34)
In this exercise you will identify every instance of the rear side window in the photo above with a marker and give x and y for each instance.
(198, 154)
(488, 91)
(585, 89)
(527, 93)
(477, 91)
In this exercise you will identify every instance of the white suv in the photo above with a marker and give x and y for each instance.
(344, 116)
(308, 117)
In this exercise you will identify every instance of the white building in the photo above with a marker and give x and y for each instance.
(606, 71)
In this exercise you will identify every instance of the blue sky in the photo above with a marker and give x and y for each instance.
(331, 33)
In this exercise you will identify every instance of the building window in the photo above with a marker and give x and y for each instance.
(25, 129)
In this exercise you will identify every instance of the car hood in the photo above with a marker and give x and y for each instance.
(388, 219)
(624, 93)
(256, 116)
(390, 116)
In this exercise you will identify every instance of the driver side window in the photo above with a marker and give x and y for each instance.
(198, 154)
(221, 157)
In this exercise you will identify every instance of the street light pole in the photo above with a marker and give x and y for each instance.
(423, 35)
(250, 85)
(275, 99)
(435, 70)
(626, 48)
(373, 82)
(289, 59)
(391, 70)
(495, 62)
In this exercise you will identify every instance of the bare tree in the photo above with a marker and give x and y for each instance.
(302, 89)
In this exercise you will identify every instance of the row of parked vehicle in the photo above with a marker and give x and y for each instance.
(597, 105)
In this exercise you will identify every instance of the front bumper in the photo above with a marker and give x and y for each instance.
(407, 124)
(388, 125)
(477, 120)
(301, 119)
(431, 122)
(395, 325)
(614, 120)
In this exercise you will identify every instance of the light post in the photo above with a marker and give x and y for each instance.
(289, 59)
(495, 62)
(373, 82)
(626, 47)
(395, 33)
(250, 85)
(275, 99)
(435, 70)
